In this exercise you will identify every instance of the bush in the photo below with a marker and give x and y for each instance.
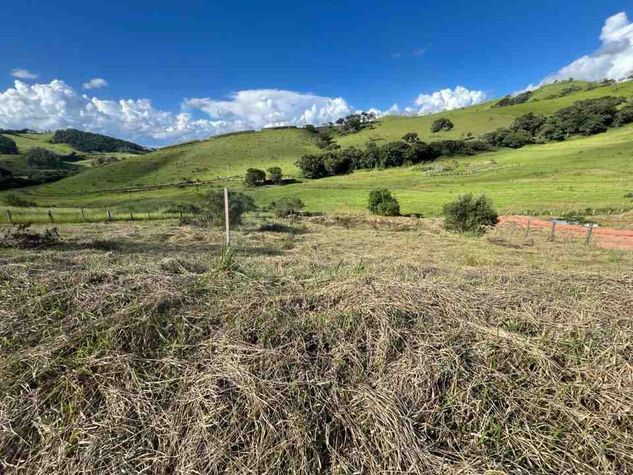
(254, 177)
(311, 166)
(509, 138)
(213, 208)
(7, 146)
(530, 123)
(286, 206)
(382, 202)
(410, 137)
(19, 202)
(441, 125)
(39, 157)
(514, 100)
(469, 215)
(275, 175)
(100, 161)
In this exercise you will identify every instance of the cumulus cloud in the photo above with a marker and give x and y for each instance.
(259, 108)
(447, 99)
(57, 105)
(23, 74)
(613, 60)
(96, 83)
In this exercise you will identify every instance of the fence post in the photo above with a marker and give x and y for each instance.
(9, 216)
(109, 216)
(131, 216)
(83, 216)
(588, 235)
(551, 237)
(50, 215)
(527, 229)
(226, 216)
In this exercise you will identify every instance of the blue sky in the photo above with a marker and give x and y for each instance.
(372, 54)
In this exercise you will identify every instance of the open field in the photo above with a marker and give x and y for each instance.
(342, 345)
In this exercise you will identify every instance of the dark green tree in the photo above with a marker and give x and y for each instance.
(254, 177)
(275, 175)
(312, 166)
(441, 125)
(7, 146)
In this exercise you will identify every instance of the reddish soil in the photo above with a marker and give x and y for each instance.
(603, 237)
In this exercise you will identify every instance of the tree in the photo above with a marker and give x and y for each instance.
(337, 163)
(286, 206)
(254, 177)
(410, 137)
(8, 146)
(530, 123)
(383, 203)
(469, 215)
(624, 116)
(275, 175)
(213, 207)
(393, 154)
(441, 125)
(39, 157)
(312, 166)
(420, 152)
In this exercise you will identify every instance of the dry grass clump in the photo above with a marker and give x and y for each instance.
(157, 368)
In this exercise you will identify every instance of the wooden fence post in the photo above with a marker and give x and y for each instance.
(131, 216)
(109, 216)
(588, 235)
(9, 216)
(527, 229)
(50, 215)
(226, 217)
(553, 234)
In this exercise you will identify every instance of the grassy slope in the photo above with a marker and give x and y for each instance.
(582, 173)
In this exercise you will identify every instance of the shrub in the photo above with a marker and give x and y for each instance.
(311, 166)
(368, 158)
(275, 175)
(19, 202)
(8, 146)
(22, 237)
(100, 161)
(410, 137)
(514, 100)
(469, 215)
(286, 206)
(508, 138)
(382, 202)
(441, 125)
(42, 158)
(254, 177)
(213, 208)
(420, 152)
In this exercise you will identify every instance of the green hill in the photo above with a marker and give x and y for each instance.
(593, 172)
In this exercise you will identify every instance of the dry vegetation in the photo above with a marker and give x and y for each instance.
(344, 345)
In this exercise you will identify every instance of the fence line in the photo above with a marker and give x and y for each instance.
(81, 215)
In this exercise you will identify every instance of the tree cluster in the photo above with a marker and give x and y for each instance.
(257, 177)
(38, 157)
(89, 142)
(514, 100)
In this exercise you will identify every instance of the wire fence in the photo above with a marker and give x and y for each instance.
(79, 215)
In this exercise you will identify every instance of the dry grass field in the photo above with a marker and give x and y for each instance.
(333, 345)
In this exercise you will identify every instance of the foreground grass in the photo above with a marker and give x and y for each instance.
(343, 345)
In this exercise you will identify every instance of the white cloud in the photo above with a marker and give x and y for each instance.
(447, 99)
(96, 83)
(613, 60)
(57, 105)
(259, 108)
(23, 74)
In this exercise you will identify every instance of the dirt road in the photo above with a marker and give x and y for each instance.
(603, 237)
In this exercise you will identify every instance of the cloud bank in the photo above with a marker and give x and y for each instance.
(612, 60)
(447, 99)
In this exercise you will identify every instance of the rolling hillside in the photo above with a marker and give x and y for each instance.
(593, 172)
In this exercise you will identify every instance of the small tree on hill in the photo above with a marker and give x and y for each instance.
(383, 203)
(469, 215)
(254, 177)
(410, 137)
(275, 175)
(286, 206)
(441, 125)
(8, 146)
